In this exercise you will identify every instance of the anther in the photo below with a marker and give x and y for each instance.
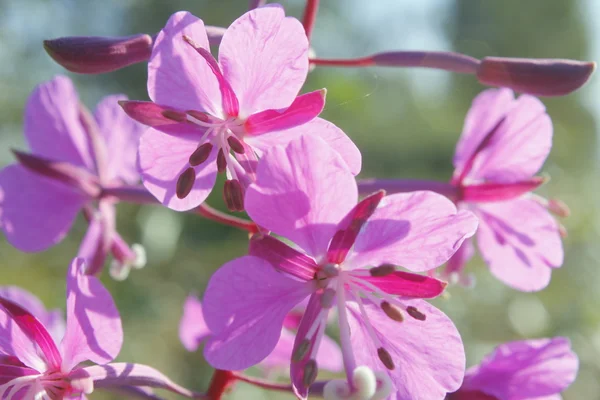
(327, 298)
(559, 208)
(392, 311)
(221, 161)
(416, 314)
(301, 350)
(385, 358)
(200, 154)
(233, 195)
(185, 183)
(200, 116)
(236, 145)
(174, 115)
(310, 373)
(383, 270)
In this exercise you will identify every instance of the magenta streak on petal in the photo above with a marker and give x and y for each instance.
(230, 101)
(283, 257)
(303, 109)
(490, 191)
(35, 331)
(482, 145)
(10, 372)
(151, 114)
(407, 284)
(350, 226)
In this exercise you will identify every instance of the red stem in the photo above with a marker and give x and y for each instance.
(220, 382)
(215, 215)
(355, 62)
(263, 383)
(310, 15)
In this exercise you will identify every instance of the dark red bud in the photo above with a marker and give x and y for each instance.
(185, 183)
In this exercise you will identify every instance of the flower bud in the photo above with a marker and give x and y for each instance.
(97, 54)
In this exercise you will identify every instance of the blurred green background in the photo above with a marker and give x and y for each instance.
(406, 123)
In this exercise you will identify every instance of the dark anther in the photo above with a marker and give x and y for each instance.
(185, 183)
(200, 154)
(416, 314)
(221, 161)
(392, 311)
(385, 358)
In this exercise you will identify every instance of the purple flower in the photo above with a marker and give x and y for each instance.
(35, 364)
(504, 143)
(193, 331)
(73, 156)
(344, 258)
(210, 116)
(523, 370)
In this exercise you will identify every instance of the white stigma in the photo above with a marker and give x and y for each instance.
(365, 383)
(140, 256)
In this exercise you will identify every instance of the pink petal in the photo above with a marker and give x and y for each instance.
(122, 135)
(36, 212)
(177, 76)
(334, 136)
(10, 372)
(418, 231)
(264, 56)
(302, 192)
(283, 257)
(520, 241)
(428, 355)
(96, 244)
(162, 160)
(245, 304)
(26, 338)
(407, 284)
(52, 125)
(457, 262)
(304, 109)
(192, 327)
(525, 369)
(94, 329)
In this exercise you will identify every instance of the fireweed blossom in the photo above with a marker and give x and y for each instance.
(73, 155)
(209, 117)
(35, 366)
(504, 143)
(345, 258)
(522, 370)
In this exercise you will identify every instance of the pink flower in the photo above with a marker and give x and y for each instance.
(524, 370)
(193, 331)
(73, 156)
(33, 364)
(504, 143)
(345, 258)
(210, 116)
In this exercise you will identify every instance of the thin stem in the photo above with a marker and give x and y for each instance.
(368, 186)
(215, 215)
(221, 381)
(263, 383)
(310, 15)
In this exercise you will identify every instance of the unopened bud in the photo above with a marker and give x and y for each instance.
(382, 270)
(97, 54)
(385, 358)
(545, 77)
(233, 195)
(185, 183)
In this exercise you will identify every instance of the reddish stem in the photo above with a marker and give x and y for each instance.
(263, 383)
(215, 215)
(310, 15)
(354, 62)
(221, 381)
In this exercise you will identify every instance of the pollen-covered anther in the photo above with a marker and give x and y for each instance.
(236, 145)
(383, 270)
(310, 373)
(385, 358)
(301, 350)
(185, 183)
(327, 298)
(200, 154)
(559, 208)
(233, 195)
(392, 311)
(221, 161)
(174, 115)
(415, 313)
(199, 115)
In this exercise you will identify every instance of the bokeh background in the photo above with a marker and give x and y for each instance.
(406, 123)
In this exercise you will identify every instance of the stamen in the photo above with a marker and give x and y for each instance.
(385, 358)
(327, 298)
(415, 313)
(392, 311)
(185, 183)
(174, 115)
(310, 373)
(382, 270)
(301, 350)
(559, 208)
(221, 161)
(233, 195)
(200, 154)
(200, 117)
(236, 145)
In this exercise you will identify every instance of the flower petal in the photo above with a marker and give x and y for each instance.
(302, 192)
(407, 284)
(178, 76)
(36, 212)
(520, 241)
(94, 329)
(428, 355)
(163, 158)
(245, 304)
(122, 134)
(418, 231)
(525, 369)
(192, 327)
(264, 56)
(52, 125)
(334, 136)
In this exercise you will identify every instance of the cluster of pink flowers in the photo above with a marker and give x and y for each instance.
(324, 248)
